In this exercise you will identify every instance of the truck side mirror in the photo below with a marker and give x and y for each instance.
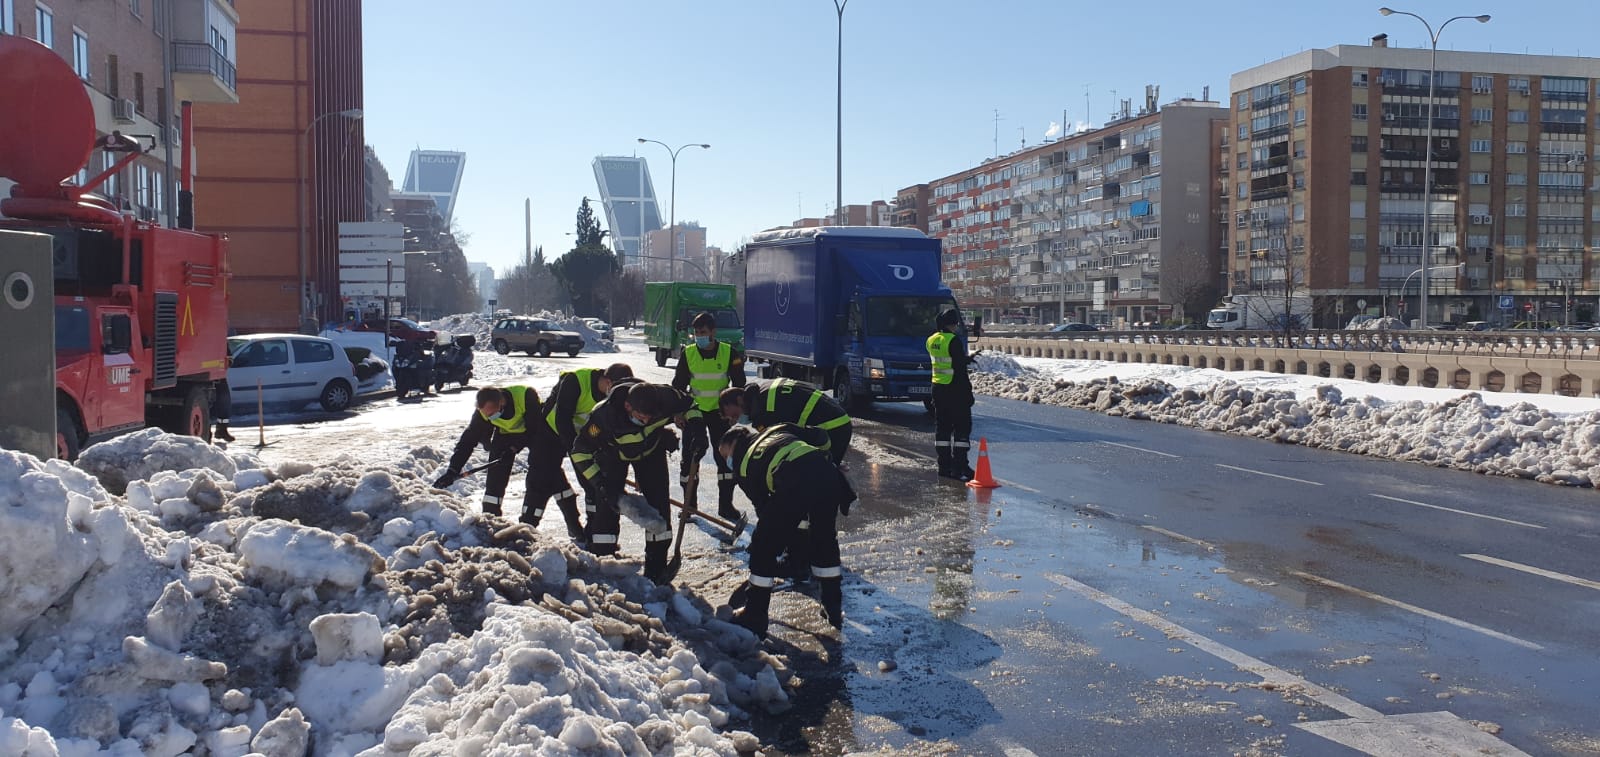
(116, 334)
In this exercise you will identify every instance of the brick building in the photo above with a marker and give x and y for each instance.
(911, 207)
(1117, 224)
(136, 81)
(1324, 164)
(289, 157)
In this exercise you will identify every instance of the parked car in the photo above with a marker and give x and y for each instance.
(533, 335)
(399, 328)
(602, 328)
(1477, 326)
(290, 370)
(1073, 327)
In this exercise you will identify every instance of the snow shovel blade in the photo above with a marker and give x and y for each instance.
(473, 470)
(734, 529)
(676, 563)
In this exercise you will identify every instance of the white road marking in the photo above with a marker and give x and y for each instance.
(1240, 660)
(1426, 613)
(1036, 427)
(1012, 749)
(1366, 730)
(1180, 537)
(1458, 512)
(1574, 580)
(1140, 449)
(1271, 475)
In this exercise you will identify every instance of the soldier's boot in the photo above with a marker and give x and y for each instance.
(754, 613)
(655, 558)
(833, 600)
(221, 432)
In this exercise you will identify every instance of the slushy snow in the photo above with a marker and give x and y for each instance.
(167, 597)
(1502, 435)
(481, 327)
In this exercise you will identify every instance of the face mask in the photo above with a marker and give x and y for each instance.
(744, 420)
(494, 417)
(636, 420)
(703, 342)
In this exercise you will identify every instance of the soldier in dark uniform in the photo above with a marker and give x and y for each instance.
(501, 423)
(566, 410)
(629, 429)
(706, 368)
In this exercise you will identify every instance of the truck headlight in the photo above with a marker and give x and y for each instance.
(875, 368)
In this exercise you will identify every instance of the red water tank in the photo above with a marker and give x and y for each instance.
(48, 130)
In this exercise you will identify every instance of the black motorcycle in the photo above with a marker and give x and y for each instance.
(452, 362)
(413, 369)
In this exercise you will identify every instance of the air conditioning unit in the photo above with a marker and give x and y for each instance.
(1445, 143)
(1479, 91)
(1388, 116)
(122, 111)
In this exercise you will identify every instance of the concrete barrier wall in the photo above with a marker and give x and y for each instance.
(1534, 375)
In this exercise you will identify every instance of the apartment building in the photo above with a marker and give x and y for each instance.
(136, 79)
(1114, 225)
(1324, 166)
(659, 251)
(911, 207)
(286, 165)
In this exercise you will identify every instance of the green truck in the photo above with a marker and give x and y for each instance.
(669, 306)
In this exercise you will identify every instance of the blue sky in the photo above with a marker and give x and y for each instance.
(532, 90)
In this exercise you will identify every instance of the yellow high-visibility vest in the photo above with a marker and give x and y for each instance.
(944, 369)
(517, 421)
(586, 400)
(708, 376)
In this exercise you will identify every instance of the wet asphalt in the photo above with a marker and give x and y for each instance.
(964, 636)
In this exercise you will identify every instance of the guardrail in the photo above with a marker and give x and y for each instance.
(1567, 345)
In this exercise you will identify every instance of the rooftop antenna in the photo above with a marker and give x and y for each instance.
(997, 132)
(1023, 132)
(1087, 113)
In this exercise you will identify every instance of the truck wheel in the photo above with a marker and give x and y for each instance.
(502, 347)
(335, 396)
(661, 358)
(853, 402)
(68, 443)
(194, 417)
(544, 349)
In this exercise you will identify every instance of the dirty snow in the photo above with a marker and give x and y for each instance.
(1547, 438)
(481, 326)
(179, 598)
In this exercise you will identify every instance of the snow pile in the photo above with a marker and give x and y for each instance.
(1465, 432)
(482, 326)
(1386, 323)
(221, 605)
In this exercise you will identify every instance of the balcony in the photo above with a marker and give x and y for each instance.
(202, 37)
(1397, 122)
(1554, 127)
(1269, 194)
(1270, 102)
(1441, 155)
(1418, 90)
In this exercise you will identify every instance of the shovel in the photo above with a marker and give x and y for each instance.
(690, 494)
(471, 471)
(734, 528)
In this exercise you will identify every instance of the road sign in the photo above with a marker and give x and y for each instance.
(1361, 304)
(371, 289)
(1507, 302)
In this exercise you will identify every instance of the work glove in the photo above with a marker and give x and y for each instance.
(846, 497)
(449, 477)
(670, 437)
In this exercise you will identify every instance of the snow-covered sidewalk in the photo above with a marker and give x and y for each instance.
(164, 594)
(1547, 438)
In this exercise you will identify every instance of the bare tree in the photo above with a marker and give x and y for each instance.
(1192, 281)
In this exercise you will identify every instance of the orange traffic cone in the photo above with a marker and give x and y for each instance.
(985, 477)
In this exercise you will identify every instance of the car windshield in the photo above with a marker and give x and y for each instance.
(727, 318)
(235, 343)
(1222, 316)
(905, 316)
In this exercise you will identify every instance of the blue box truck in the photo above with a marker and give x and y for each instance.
(848, 308)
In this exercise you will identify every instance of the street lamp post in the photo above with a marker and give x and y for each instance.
(1427, 158)
(354, 114)
(1424, 271)
(838, 111)
(672, 205)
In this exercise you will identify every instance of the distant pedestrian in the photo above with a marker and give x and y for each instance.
(952, 397)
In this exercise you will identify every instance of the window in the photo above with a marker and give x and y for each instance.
(1482, 115)
(1517, 210)
(1358, 112)
(308, 351)
(1358, 144)
(44, 25)
(158, 192)
(1516, 180)
(1300, 115)
(1482, 84)
(1300, 149)
(1299, 211)
(1479, 178)
(1358, 274)
(1516, 148)
(1482, 145)
(1243, 100)
(133, 7)
(1244, 190)
(1358, 209)
(1300, 86)
(113, 83)
(1518, 116)
(1358, 77)
(1478, 209)
(266, 352)
(1299, 181)
(1516, 241)
(80, 54)
(1358, 242)
(1518, 84)
(1244, 161)
(8, 17)
(141, 185)
(1358, 178)
(219, 41)
(138, 92)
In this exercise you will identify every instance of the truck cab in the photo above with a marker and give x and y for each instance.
(99, 354)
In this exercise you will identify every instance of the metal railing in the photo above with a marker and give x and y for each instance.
(202, 58)
(1567, 345)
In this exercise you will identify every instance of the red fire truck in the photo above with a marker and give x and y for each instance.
(141, 310)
